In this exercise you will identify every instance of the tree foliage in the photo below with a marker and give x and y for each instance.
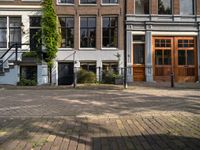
(50, 31)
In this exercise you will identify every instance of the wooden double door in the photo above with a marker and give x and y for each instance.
(177, 55)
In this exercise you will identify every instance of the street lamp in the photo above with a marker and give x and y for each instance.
(125, 47)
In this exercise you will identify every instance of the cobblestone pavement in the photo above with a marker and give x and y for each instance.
(142, 118)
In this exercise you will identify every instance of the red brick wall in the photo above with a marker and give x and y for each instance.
(130, 6)
(198, 7)
(176, 10)
(154, 6)
(98, 10)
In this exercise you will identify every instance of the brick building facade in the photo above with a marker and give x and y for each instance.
(92, 34)
(163, 40)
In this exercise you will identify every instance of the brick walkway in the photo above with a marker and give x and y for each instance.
(142, 118)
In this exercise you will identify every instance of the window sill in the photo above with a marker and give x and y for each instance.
(109, 48)
(65, 4)
(88, 5)
(114, 4)
(65, 49)
(87, 49)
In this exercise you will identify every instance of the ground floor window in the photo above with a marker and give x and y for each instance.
(89, 66)
(28, 72)
(28, 75)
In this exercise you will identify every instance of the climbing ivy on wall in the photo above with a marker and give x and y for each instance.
(50, 31)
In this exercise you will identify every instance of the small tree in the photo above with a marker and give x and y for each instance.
(50, 33)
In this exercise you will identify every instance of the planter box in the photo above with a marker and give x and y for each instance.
(29, 59)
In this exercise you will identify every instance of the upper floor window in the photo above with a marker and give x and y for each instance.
(186, 7)
(110, 32)
(3, 32)
(12, 29)
(88, 32)
(66, 1)
(164, 7)
(87, 1)
(35, 33)
(109, 1)
(67, 30)
(142, 6)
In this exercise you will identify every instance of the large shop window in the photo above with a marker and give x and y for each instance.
(110, 32)
(142, 6)
(67, 30)
(13, 29)
(35, 34)
(186, 7)
(88, 32)
(165, 7)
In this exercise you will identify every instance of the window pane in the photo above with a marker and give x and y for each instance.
(142, 6)
(67, 31)
(186, 7)
(139, 53)
(158, 57)
(88, 32)
(3, 39)
(66, 1)
(110, 31)
(167, 57)
(190, 57)
(89, 66)
(164, 7)
(181, 57)
(110, 1)
(139, 38)
(88, 1)
(35, 21)
(3, 22)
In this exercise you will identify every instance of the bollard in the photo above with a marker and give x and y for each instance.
(172, 80)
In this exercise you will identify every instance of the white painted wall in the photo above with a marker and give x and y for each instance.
(11, 77)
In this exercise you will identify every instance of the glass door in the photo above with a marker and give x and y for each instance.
(186, 61)
(162, 57)
(139, 58)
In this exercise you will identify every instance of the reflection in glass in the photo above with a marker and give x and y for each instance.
(181, 57)
(190, 57)
(139, 53)
(142, 6)
(158, 57)
(164, 7)
(186, 7)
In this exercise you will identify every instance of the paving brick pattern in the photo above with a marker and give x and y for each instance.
(142, 118)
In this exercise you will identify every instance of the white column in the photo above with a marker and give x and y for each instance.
(129, 56)
(25, 32)
(148, 54)
(99, 72)
(42, 74)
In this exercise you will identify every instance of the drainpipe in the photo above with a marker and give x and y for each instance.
(125, 46)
